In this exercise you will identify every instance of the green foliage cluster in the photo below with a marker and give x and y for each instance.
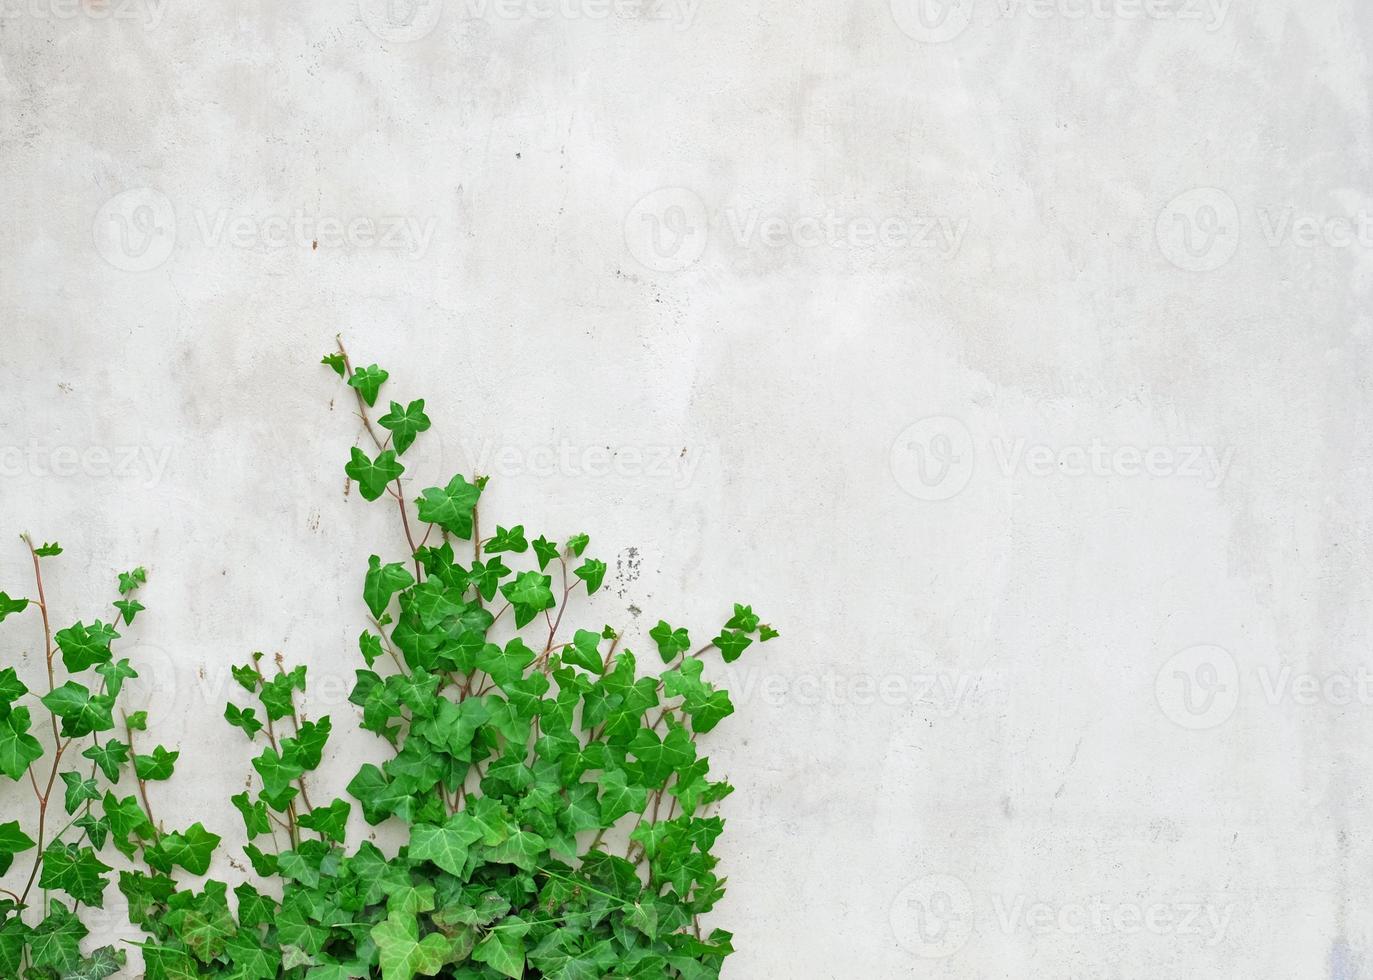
(555, 811)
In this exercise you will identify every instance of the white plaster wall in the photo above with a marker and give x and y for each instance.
(1135, 232)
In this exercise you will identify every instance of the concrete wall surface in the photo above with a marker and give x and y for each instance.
(1011, 356)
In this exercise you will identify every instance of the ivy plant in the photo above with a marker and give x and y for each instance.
(548, 809)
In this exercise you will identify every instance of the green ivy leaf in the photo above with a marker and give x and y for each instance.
(372, 476)
(115, 674)
(744, 618)
(405, 423)
(658, 758)
(277, 773)
(503, 948)
(11, 687)
(127, 821)
(330, 821)
(577, 544)
(13, 841)
(255, 818)
(76, 871)
(157, 766)
(103, 962)
(8, 606)
(529, 594)
(50, 549)
(244, 718)
(450, 507)
(128, 581)
(169, 963)
(508, 540)
(671, 643)
(190, 850)
(368, 382)
(592, 572)
(81, 711)
(545, 550)
(522, 849)
(708, 713)
(56, 941)
(507, 663)
(252, 960)
(246, 675)
(618, 797)
(97, 830)
(382, 582)
(336, 362)
(486, 576)
(129, 608)
(307, 748)
(403, 954)
(14, 938)
(83, 646)
(584, 651)
(110, 757)
(445, 844)
(370, 645)
(79, 790)
(731, 644)
(254, 908)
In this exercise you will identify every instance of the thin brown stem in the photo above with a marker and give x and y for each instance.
(142, 783)
(276, 747)
(58, 745)
(304, 795)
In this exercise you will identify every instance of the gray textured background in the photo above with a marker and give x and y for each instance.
(1011, 358)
